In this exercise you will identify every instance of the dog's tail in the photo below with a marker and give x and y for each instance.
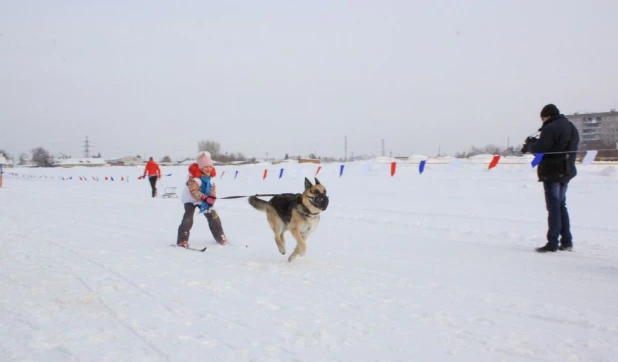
(258, 204)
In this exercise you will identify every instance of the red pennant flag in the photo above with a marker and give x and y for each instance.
(122, 178)
(318, 170)
(393, 168)
(105, 178)
(494, 162)
(80, 178)
(265, 174)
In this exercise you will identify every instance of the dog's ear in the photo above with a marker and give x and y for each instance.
(317, 182)
(307, 184)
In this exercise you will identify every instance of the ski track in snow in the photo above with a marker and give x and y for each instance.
(87, 274)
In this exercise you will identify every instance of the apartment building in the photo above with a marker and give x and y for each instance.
(596, 129)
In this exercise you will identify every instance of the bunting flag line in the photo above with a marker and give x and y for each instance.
(494, 162)
(362, 168)
(590, 155)
(537, 159)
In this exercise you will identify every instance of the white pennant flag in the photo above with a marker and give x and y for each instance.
(456, 162)
(365, 169)
(589, 157)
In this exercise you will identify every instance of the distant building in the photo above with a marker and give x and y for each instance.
(126, 161)
(80, 162)
(596, 129)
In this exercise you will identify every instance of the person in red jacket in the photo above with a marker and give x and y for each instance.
(154, 173)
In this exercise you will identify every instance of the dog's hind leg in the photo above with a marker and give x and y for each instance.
(278, 230)
(281, 242)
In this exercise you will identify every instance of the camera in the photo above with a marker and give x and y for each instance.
(527, 143)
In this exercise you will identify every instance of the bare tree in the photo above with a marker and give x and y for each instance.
(211, 146)
(491, 150)
(6, 154)
(23, 158)
(40, 156)
(166, 159)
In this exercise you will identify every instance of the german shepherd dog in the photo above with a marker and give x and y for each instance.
(298, 213)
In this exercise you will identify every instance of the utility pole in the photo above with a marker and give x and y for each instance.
(345, 148)
(383, 152)
(86, 148)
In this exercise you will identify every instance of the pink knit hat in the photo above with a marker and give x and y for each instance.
(203, 159)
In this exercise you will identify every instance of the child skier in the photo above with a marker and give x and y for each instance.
(200, 193)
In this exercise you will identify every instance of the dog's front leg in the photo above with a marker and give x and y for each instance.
(301, 247)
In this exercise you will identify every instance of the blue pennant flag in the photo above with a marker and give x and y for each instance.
(235, 174)
(341, 170)
(421, 167)
(281, 173)
(537, 159)
(169, 174)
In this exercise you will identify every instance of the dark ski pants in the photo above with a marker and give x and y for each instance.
(558, 222)
(214, 223)
(153, 184)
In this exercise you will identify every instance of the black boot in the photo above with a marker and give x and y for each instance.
(546, 249)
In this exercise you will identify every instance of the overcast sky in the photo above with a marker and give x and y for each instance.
(155, 77)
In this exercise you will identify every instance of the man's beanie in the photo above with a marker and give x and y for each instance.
(550, 110)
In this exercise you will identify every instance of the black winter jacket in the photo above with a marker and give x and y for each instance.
(558, 134)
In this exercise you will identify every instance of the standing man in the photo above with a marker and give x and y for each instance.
(154, 173)
(559, 141)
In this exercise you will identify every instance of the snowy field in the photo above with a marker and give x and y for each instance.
(433, 267)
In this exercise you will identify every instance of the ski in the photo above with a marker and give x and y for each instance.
(190, 248)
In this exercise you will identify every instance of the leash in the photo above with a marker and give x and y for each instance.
(240, 197)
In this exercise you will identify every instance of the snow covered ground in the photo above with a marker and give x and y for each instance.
(431, 267)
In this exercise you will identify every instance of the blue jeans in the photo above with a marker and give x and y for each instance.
(558, 216)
